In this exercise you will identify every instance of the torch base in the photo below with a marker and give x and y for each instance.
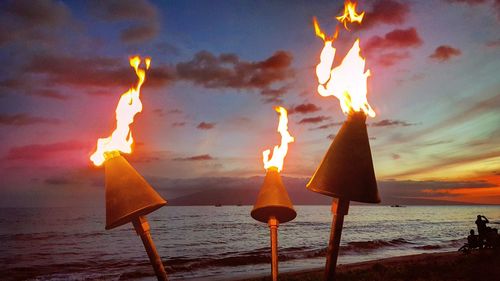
(141, 226)
(273, 227)
(340, 208)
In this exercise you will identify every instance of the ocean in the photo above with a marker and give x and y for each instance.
(218, 243)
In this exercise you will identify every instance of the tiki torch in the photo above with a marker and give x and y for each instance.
(346, 172)
(273, 205)
(129, 198)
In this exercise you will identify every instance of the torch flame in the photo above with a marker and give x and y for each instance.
(350, 14)
(347, 81)
(279, 152)
(128, 106)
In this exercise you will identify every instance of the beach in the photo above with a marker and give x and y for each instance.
(477, 265)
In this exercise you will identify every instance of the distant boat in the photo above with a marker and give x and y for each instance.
(397, 206)
(218, 205)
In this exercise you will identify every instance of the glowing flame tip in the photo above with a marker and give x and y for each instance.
(279, 152)
(128, 106)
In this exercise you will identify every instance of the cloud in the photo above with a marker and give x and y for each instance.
(230, 72)
(448, 162)
(141, 15)
(386, 12)
(274, 95)
(38, 12)
(388, 122)
(92, 71)
(304, 108)
(179, 124)
(469, 2)
(314, 120)
(38, 20)
(444, 53)
(44, 151)
(206, 126)
(23, 119)
(461, 114)
(59, 181)
(395, 156)
(396, 39)
(202, 157)
(331, 136)
(326, 126)
(390, 59)
(47, 93)
(493, 43)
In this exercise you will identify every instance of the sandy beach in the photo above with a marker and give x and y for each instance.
(478, 265)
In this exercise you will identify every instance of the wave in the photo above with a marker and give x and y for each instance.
(374, 244)
(262, 255)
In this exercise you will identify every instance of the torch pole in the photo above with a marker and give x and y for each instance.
(141, 226)
(273, 226)
(340, 208)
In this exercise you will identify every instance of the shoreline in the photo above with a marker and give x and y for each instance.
(478, 265)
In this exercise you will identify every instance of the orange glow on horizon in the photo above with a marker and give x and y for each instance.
(128, 106)
(490, 194)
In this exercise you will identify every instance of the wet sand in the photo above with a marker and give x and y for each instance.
(478, 265)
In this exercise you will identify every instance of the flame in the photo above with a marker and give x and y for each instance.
(347, 81)
(350, 14)
(128, 106)
(279, 152)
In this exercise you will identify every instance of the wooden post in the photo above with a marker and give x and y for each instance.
(340, 208)
(273, 226)
(141, 226)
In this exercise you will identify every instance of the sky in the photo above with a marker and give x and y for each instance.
(218, 70)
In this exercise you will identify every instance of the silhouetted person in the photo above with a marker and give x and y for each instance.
(481, 225)
(473, 240)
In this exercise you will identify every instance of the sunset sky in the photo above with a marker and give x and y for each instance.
(218, 69)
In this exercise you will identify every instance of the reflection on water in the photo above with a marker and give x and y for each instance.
(218, 243)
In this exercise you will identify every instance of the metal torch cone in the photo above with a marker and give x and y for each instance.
(346, 173)
(273, 206)
(128, 199)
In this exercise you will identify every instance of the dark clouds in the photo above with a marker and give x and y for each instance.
(304, 108)
(231, 72)
(202, 157)
(44, 151)
(141, 15)
(314, 120)
(469, 2)
(91, 71)
(26, 21)
(205, 126)
(388, 122)
(395, 156)
(386, 12)
(393, 47)
(444, 53)
(326, 126)
(396, 39)
(178, 124)
(24, 119)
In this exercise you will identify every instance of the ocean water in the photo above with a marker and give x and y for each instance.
(218, 243)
